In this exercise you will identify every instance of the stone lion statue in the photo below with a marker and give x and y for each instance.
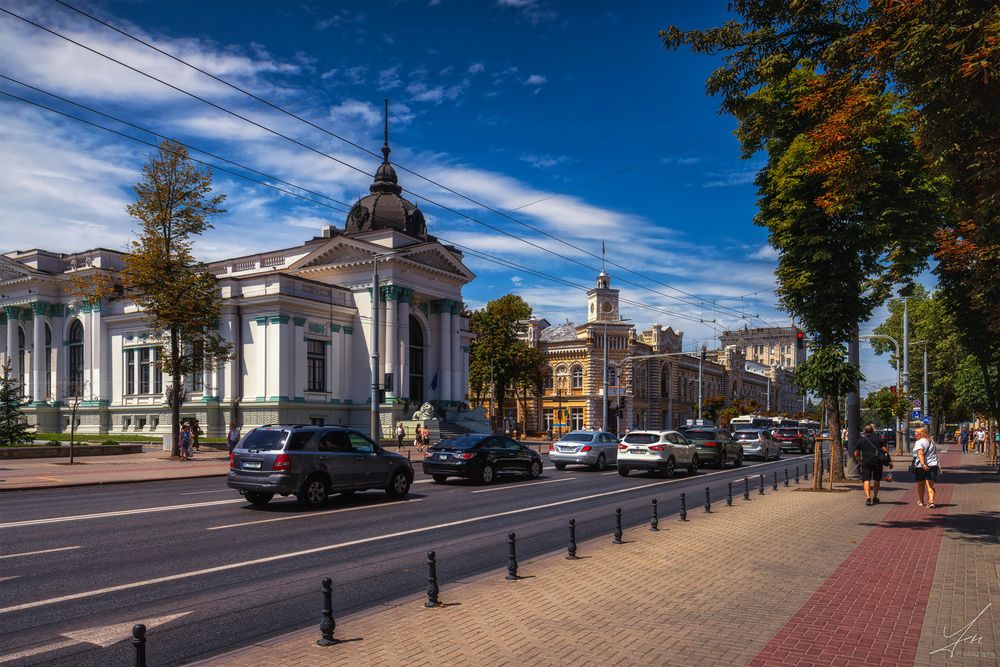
(426, 411)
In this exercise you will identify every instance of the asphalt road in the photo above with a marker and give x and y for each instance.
(207, 572)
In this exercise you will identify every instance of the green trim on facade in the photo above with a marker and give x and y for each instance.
(335, 401)
(349, 331)
(317, 328)
(56, 310)
(96, 306)
(260, 399)
(35, 404)
(39, 307)
(348, 401)
(85, 307)
(406, 295)
(57, 404)
(299, 399)
(325, 342)
(210, 399)
(95, 404)
(3, 318)
(277, 398)
(299, 321)
(278, 319)
(335, 328)
(261, 321)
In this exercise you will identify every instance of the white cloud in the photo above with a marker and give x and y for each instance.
(545, 161)
(341, 17)
(535, 80)
(357, 74)
(389, 78)
(476, 68)
(356, 110)
(765, 252)
(681, 161)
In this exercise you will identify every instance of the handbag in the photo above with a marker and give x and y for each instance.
(883, 457)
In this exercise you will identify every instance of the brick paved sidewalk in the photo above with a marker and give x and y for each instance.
(781, 579)
(23, 474)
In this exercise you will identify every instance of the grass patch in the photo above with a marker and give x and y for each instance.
(114, 439)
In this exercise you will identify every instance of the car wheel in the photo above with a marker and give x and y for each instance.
(669, 470)
(314, 492)
(439, 479)
(534, 470)
(559, 465)
(623, 471)
(602, 462)
(258, 498)
(693, 467)
(738, 461)
(399, 485)
(487, 475)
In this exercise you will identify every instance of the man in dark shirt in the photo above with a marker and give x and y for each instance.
(867, 452)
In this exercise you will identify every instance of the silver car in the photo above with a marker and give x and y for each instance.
(596, 449)
(758, 443)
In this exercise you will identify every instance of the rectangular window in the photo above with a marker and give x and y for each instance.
(315, 365)
(548, 418)
(576, 419)
(144, 375)
(157, 373)
(197, 362)
(129, 371)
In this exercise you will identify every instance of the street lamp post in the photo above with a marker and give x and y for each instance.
(896, 343)
(701, 365)
(925, 406)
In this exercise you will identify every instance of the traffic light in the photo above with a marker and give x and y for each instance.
(800, 340)
(893, 389)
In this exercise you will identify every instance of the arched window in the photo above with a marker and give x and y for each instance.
(562, 376)
(48, 362)
(665, 381)
(576, 376)
(416, 361)
(74, 386)
(549, 382)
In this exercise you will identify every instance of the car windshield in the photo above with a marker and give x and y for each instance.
(266, 439)
(461, 442)
(578, 437)
(701, 435)
(642, 438)
(788, 431)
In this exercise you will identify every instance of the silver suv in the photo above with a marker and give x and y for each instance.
(312, 462)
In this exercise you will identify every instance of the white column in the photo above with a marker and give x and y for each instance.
(335, 364)
(58, 374)
(225, 381)
(444, 389)
(4, 340)
(391, 349)
(456, 356)
(260, 350)
(11, 314)
(347, 354)
(38, 351)
(297, 388)
(279, 358)
(381, 339)
(96, 344)
(404, 344)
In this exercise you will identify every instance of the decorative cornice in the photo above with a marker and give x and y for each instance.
(315, 327)
(334, 328)
(39, 307)
(299, 321)
(278, 319)
(12, 312)
(349, 330)
(261, 321)
(56, 310)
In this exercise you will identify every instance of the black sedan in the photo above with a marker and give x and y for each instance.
(481, 457)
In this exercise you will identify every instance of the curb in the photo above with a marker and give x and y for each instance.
(106, 483)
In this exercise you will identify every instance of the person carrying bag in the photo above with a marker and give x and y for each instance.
(873, 456)
(925, 467)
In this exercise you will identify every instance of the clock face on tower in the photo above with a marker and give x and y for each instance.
(607, 306)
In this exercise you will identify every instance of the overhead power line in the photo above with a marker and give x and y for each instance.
(402, 167)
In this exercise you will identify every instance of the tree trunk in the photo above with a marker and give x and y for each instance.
(836, 445)
(176, 389)
(818, 450)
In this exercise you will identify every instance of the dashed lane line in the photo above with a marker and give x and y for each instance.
(521, 486)
(312, 514)
(103, 515)
(37, 553)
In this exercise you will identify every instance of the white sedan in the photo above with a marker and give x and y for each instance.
(656, 451)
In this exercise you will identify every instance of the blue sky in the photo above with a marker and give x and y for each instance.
(508, 102)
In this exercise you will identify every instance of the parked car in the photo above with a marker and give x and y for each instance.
(758, 443)
(794, 438)
(656, 451)
(312, 462)
(481, 457)
(886, 437)
(596, 449)
(715, 446)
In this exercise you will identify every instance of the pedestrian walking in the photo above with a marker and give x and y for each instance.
(981, 440)
(963, 439)
(400, 434)
(872, 455)
(233, 436)
(925, 467)
(184, 442)
(425, 435)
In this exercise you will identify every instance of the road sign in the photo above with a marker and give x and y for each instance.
(916, 403)
(916, 414)
(926, 420)
(559, 425)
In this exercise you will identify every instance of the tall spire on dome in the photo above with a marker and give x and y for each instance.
(385, 147)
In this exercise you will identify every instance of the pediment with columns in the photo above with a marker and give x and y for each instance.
(12, 271)
(344, 252)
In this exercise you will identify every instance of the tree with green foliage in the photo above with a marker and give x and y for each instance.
(500, 360)
(179, 297)
(844, 195)
(827, 372)
(14, 429)
(883, 406)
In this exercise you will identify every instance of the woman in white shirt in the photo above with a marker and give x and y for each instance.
(926, 466)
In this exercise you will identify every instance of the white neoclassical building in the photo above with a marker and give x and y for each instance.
(299, 320)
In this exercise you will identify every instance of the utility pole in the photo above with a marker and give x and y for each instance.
(898, 373)
(604, 396)
(853, 403)
(925, 406)
(906, 365)
(701, 364)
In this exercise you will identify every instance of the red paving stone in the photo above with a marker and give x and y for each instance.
(873, 601)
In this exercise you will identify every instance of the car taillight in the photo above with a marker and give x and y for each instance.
(657, 448)
(552, 447)
(232, 461)
(585, 448)
(710, 444)
(622, 446)
(282, 462)
(464, 455)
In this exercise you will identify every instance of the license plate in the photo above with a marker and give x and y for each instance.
(637, 450)
(251, 465)
(441, 457)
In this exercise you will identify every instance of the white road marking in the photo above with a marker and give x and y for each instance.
(3, 579)
(35, 553)
(311, 514)
(102, 515)
(521, 486)
(329, 547)
(198, 493)
(45, 648)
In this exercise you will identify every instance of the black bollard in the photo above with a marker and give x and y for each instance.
(762, 484)
(729, 494)
(512, 558)
(654, 521)
(571, 545)
(796, 474)
(618, 526)
(684, 508)
(746, 488)
(806, 471)
(786, 476)
(432, 581)
(775, 487)
(327, 625)
(139, 641)
(708, 501)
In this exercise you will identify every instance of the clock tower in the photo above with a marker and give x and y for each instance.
(602, 301)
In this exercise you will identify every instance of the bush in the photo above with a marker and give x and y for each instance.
(110, 442)
(54, 443)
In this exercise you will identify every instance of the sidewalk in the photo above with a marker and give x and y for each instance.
(789, 578)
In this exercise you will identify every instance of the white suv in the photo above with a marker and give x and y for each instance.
(658, 451)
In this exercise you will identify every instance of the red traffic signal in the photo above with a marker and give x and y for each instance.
(800, 339)
(893, 389)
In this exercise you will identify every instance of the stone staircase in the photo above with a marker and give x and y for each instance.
(452, 430)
